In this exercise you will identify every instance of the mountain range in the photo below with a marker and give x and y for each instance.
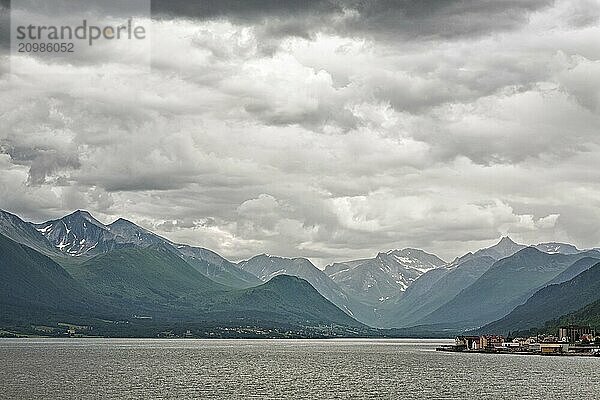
(78, 269)
(81, 236)
(508, 283)
(151, 287)
(553, 301)
(437, 287)
(376, 280)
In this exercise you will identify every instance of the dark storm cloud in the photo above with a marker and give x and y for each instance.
(42, 162)
(4, 25)
(443, 18)
(243, 9)
(388, 19)
(399, 18)
(323, 128)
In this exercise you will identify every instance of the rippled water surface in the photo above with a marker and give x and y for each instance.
(295, 369)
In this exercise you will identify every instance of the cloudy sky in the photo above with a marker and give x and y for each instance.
(325, 129)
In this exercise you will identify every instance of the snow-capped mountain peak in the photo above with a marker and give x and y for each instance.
(77, 233)
(384, 276)
(557, 248)
(414, 258)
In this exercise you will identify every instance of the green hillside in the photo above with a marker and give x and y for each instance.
(225, 273)
(551, 302)
(585, 316)
(152, 282)
(507, 284)
(144, 279)
(34, 284)
(287, 298)
(588, 315)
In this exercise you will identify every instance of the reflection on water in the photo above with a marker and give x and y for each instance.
(297, 369)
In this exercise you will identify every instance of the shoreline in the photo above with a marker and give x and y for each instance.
(520, 353)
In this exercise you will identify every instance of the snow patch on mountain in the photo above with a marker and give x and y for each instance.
(385, 276)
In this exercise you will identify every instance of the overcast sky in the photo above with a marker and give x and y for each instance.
(325, 129)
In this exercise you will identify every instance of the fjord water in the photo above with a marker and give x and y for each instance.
(295, 369)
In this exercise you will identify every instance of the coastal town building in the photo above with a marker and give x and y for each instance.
(554, 348)
(467, 342)
(491, 341)
(575, 333)
(488, 342)
(571, 340)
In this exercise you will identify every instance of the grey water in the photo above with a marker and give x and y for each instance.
(275, 369)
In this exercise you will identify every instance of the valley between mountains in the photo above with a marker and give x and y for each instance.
(77, 275)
